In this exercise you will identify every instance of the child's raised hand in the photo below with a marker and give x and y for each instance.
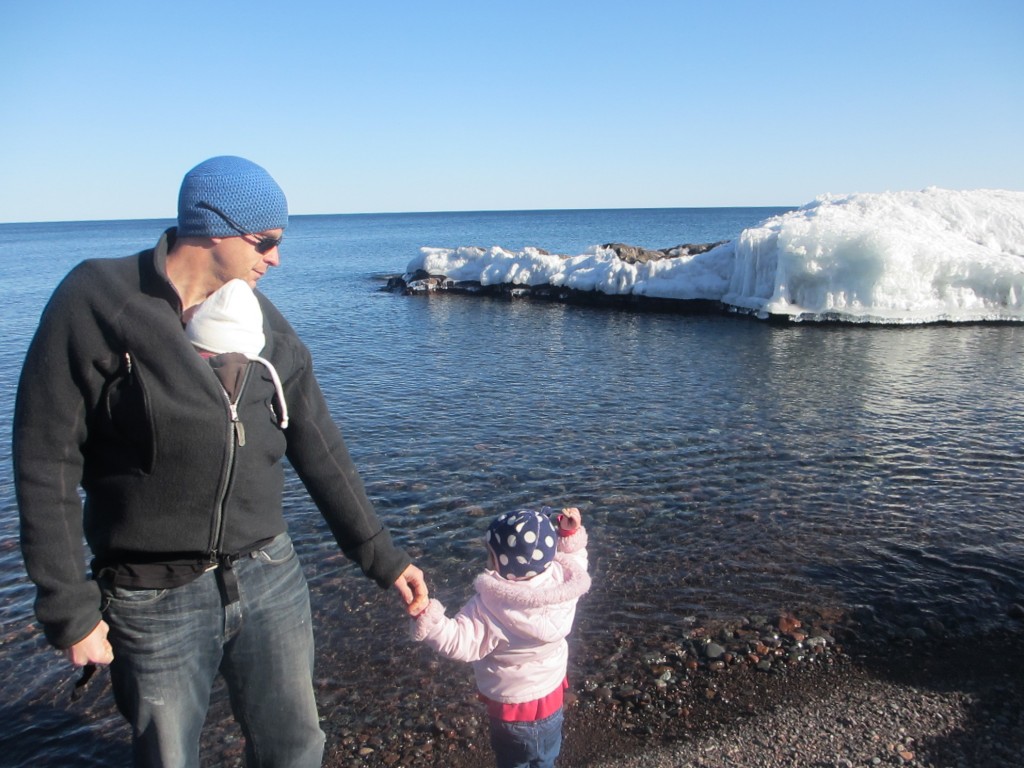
(570, 519)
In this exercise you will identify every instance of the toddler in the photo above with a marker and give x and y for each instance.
(513, 631)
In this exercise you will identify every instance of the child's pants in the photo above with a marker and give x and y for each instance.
(532, 744)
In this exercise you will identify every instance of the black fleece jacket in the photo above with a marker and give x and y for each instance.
(114, 400)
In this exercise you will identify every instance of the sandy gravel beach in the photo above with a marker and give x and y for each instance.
(933, 700)
(930, 702)
(957, 706)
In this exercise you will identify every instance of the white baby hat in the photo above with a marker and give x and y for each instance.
(230, 320)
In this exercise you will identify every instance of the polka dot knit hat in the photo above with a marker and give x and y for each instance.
(239, 188)
(523, 543)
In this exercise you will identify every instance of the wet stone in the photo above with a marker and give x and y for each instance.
(714, 651)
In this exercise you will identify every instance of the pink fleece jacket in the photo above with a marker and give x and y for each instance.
(513, 632)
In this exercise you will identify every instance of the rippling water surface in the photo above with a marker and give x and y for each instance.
(725, 467)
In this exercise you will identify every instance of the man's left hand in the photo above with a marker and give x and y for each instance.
(413, 589)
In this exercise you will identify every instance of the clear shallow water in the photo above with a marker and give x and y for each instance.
(725, 467)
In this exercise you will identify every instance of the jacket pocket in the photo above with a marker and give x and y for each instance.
(126, 423)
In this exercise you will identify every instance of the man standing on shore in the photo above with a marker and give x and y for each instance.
(193, 572)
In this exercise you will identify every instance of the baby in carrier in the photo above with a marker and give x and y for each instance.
(227, 330)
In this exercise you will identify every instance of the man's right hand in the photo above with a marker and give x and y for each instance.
(93, 649)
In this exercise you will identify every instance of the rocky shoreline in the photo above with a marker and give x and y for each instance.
(761, 694)
(653, 699)
(957, 704)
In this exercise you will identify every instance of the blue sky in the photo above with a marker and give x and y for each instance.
(413, 106)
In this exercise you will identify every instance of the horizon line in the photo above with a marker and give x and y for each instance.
(424, 213)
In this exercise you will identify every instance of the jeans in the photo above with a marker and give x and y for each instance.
(533, 744)
(169, 645)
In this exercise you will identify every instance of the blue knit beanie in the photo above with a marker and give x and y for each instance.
(523, 543)
(238, 187)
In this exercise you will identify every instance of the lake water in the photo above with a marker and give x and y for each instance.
(725, 467)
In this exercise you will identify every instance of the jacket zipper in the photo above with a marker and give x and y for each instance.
(235, 439)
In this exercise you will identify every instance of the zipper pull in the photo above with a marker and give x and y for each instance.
(238, 425)
(128, 362)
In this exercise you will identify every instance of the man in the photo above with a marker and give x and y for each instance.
(193, 571)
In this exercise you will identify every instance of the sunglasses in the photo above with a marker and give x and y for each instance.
(263, 245)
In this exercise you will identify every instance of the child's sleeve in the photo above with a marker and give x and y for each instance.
(574, 545)
(469, 636)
